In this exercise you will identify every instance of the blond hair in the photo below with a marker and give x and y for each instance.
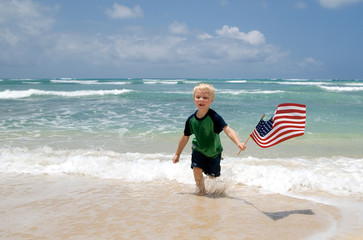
(204, 87)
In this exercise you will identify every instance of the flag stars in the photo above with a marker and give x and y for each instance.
(264, 127)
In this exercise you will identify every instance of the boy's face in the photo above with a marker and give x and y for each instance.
(202, 100)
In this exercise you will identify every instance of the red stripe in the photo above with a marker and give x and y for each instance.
(281, 140)
(290, 117)
(286, 121)
(290, 111)
(274, 136)
(290, 121)
(291, 104)
(278, 129)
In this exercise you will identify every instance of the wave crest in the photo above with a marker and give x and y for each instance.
(12, 94)
(338, 176)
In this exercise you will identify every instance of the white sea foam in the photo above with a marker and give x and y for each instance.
(305, 83)
(169, 81)
(75, 81)
(22, 79)
(8, 94)
(257, 91)
(191, 82)
(330, 86)
(342, 88)
(160, 81)
(113, 83)
(31, 82)
(338, 176)
(237, 81)
(354, 84)
(91, 82)
(132, 167)
(297, 79)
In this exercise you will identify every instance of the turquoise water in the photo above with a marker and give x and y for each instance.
(55, 125)
(138, 110)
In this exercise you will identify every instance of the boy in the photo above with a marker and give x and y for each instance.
(206, 125)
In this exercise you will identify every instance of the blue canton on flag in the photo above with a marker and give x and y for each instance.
(264, 127)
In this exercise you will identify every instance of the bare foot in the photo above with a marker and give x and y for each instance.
(200, 193)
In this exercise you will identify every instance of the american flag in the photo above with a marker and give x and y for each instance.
(287, 122)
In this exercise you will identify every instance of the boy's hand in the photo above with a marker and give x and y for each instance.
(176, 158)
(242, 146)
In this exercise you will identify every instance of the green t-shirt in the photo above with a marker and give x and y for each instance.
(206, 133)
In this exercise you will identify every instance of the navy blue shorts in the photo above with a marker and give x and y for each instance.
(210, 166)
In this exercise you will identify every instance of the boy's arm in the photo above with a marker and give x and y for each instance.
(234, 137)
(182, 142)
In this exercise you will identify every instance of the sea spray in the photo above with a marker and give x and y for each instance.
(9, 94)
(341, 177)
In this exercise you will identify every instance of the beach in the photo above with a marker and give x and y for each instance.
(78, 207)
(92, 159)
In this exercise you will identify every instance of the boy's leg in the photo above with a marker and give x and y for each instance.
(199, 179)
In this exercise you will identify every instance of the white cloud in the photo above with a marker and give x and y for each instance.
(178, 28)
(337, 3)
(300, 4)
(123, 12)
(27, 39)
(9, 37)
(253, 37)
(309, 61)
(204, 36)
(26, 16)
(151, 49)
(162, 50)
(223, 2)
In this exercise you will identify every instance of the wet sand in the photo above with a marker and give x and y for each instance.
(79, 207)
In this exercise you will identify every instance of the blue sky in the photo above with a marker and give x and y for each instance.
(181, 39)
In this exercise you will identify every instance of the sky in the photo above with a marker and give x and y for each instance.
(315, 39)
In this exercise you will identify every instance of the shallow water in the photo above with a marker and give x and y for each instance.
(78, 207)
(91, 158)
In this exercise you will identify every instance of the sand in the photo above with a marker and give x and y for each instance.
(80, 207)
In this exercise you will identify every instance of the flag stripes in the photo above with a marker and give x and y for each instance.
(287, 122)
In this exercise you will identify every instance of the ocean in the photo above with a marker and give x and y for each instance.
(126, 131)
